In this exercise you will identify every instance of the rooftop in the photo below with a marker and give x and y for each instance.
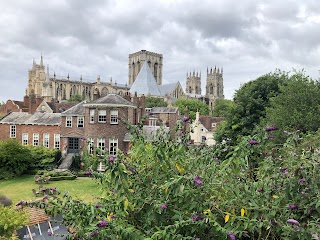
(110, 100)
(37, 118)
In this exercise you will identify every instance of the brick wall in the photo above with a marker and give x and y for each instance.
(30, 129)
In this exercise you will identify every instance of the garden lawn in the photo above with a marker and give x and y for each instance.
(21, 188)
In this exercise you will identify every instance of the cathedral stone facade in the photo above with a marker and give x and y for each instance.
(54, 88)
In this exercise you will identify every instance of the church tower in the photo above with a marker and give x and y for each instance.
(193, 85)
(36, 78)
(136, 61)
(214, 85)
(47, 88)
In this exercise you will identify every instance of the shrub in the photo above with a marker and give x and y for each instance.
(44, 158)
(10, 220)
(14, 159)
(5, 201)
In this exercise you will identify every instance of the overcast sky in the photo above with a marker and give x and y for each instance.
(248, 38)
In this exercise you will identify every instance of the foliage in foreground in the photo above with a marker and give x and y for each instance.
(169, 190)
(10, 220)
(193, 106)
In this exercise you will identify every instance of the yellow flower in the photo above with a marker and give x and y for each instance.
(109, 216)
(242, 212)
(130, 183)
(166, 190)
(275, 196)
(206, 211)
(226, 218)
(180, 169)
(131, 190)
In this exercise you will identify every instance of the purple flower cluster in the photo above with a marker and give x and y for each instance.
(270, 136)
(271, 128)
(196, 218)
(102, 223)
(88, 173)
(253, 142)
(186, 119)
(94, 233)
(163, 206)
(111, 159)
(293, 221)
(98, 205)
(231, 236)
(19, 203)
(260, 190)
(197, 180)
(284, 171)
(293, 207)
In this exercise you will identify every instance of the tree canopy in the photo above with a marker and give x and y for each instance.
(76, 98)
(222, 107)
(297, 106)
(193, 105)
(155, 102)
(250, 103)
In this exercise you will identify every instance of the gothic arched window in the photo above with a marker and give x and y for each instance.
(190, 90)
(211, 89)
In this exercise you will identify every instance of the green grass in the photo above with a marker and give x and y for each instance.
(21, 188)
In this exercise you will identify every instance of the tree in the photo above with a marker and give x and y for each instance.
(222, 107)
(76, 98)
(14, 159)
(193, 106)
(297, 107)
(250, 103)
(155, 102)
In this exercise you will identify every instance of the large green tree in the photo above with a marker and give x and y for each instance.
(297, 107)
(250, 103)
(155, 102)
(193, 105)
(222, 107)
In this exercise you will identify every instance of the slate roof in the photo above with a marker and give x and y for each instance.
(145, 83)
(163, 110)
(208, 120)
(167, 88)
(149, 132)
(76, 110)
(110, 100)
(36, 118)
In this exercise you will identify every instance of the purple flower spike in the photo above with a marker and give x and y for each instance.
(293, 221)
(197, 180)
(111, 159)
(102, 224)
(196, 218)
(19, 203)
(293, 207)
(271, 128)
(271, 137)
(253, 142)
(260, 190)
(186, 119)
(163, 206)
(98, 205)
(284, 171)
(94, 233)
(231, 236)
(88, 173)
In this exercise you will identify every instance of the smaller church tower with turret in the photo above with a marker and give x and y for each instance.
(36, 78)
(214, 85)
(193, 85)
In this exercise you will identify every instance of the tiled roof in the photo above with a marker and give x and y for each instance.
(145, 83)
(149, 132)
(111, 100)
(76, 110)
(164, 110)
(36, 118)
(208, 120)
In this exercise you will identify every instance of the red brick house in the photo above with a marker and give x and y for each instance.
(100, 124)
(33, 129)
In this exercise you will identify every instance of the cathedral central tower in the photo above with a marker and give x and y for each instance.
(136, 61)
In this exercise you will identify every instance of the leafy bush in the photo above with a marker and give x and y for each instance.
(10, 220)
(57, 176)
(14, 159)
(44, 158)
(168, 190)
(5, 201)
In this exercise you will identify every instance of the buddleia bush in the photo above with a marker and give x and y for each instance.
(171, 190)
